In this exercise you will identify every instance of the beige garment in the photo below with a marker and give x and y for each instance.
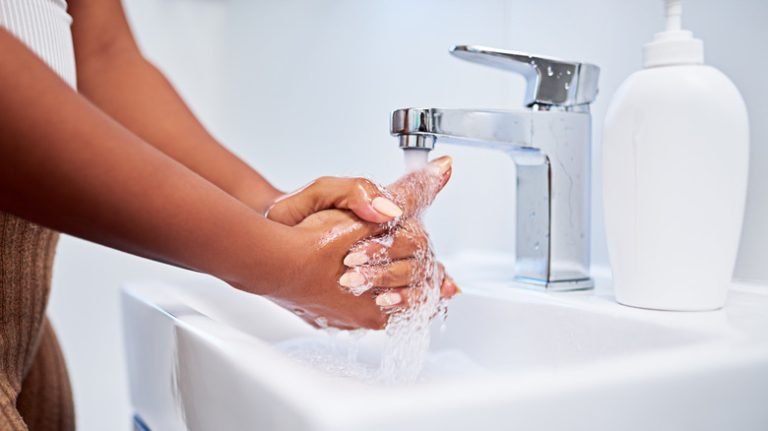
(34, 387)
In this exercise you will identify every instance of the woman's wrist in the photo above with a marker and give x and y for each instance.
(266, 257)
(258, 195)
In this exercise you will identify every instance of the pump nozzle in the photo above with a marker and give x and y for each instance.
(673, 46)
(674, 10)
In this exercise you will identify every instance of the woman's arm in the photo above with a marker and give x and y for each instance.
(67, 165)
(113, 74)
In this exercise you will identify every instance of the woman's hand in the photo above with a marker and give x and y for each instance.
(371, 203)
(341, 249)
(360, 195)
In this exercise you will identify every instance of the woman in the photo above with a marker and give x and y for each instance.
(121, 161)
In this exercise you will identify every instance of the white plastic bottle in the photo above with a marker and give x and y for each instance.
(675, 160)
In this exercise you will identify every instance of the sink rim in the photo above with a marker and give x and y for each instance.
(712, 340)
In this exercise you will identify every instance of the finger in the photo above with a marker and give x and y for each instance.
(393, 299)
(406, 241)
(449, 289)
(359, 195)
(415, 191)
(399, 273)
(399, 299)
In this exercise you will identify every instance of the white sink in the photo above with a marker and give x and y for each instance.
(203, 356)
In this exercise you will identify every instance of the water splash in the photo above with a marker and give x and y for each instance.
(408, 330)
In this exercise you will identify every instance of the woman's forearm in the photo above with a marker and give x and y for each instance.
(67, 165)
(114, 75)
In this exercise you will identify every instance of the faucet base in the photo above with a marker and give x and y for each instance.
(554, 286)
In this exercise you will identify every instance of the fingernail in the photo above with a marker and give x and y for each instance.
(442, 164)
(386, 207)
(352, 279)
(355, 259)
(388, 299)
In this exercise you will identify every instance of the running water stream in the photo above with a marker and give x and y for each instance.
(408, 331)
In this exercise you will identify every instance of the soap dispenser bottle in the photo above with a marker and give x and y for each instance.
(675, 160)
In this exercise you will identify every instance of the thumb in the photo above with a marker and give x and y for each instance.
(359, 195)
(414, 192)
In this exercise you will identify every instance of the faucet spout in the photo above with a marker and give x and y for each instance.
(503, 130)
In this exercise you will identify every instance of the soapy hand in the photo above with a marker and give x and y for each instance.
(374, 250)
(361, 196)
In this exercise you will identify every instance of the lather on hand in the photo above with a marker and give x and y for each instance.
(348, 257)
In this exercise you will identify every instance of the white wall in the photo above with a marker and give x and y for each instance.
(302, 88)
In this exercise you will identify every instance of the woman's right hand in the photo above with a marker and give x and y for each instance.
(323, 275)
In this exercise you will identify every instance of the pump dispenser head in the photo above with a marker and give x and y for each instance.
(673, 46)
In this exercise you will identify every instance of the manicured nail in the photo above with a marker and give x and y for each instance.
(386, 207)
(388, 299)
(352, 279)
(355, 259)
(441, 165)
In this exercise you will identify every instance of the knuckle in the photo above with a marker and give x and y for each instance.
(387, 278)
(365, 184)
(275, 212)
(323, 181)
(415, 242)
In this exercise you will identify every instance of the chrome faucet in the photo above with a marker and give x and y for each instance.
(550, 143)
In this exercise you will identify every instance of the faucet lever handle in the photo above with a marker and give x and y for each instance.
(549, 81)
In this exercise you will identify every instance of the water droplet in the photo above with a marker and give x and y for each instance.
(567, 85)
(550, 72)
(536, 245)
(568, 71)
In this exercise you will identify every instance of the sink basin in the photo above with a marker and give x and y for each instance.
(204, 356)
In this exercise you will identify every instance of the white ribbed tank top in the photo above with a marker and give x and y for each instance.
(44, 26)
